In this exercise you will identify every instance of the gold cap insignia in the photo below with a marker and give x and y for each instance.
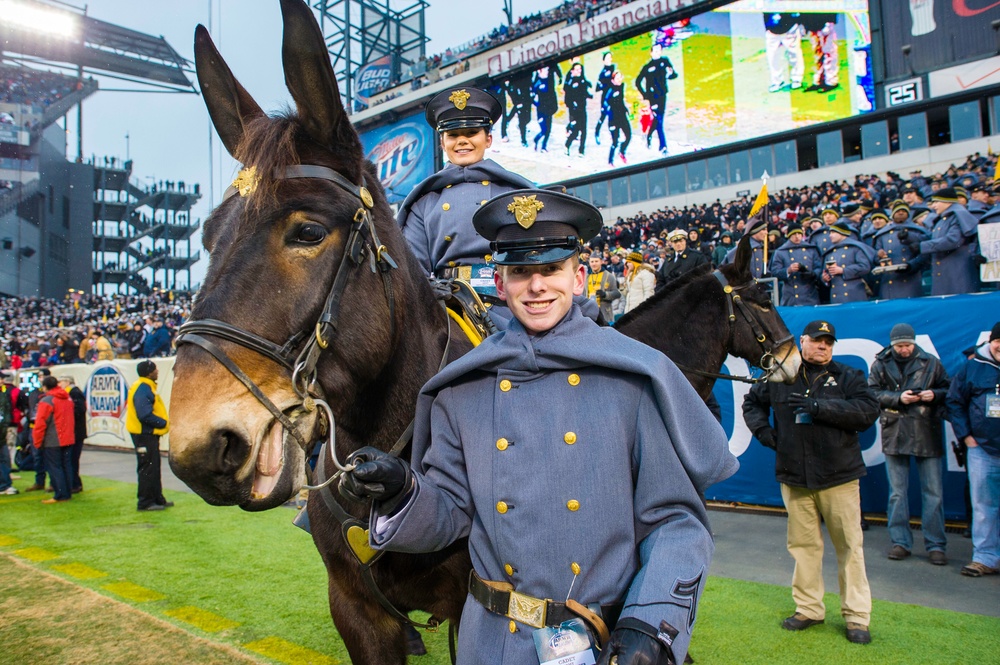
(459, 98)
(824, 327)
(525, 209)
(246, 181)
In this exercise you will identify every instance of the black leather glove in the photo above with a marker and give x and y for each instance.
(634, 642)
(379, 476)
(979, 259)
(767, 438)
(913, 244)
(903, 235)
(803, 404)
(600, 293)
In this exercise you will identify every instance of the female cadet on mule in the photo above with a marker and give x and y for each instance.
(304, 210)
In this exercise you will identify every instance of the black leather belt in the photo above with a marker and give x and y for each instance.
(501, 598)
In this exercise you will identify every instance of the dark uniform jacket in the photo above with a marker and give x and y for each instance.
(757, 264)
(675, 266)
(575, 450)
(857, 260)
(800, 287)
(910, 429)
(436, 217)
(978, 380)
(825, 453)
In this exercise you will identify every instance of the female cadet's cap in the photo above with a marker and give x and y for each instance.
(462, 108)
(536, 226)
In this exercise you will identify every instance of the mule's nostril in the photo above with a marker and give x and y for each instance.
(233, 450)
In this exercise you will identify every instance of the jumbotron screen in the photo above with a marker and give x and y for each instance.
(749, 69)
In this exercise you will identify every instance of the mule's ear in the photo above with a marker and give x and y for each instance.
(228, 102)
(742, 259)
(311, 80)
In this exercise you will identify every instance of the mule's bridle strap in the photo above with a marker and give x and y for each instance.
(283, 355)
(241, 376)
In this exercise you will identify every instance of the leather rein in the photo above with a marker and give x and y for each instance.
(734, 302)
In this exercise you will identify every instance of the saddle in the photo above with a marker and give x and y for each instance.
(465, 307)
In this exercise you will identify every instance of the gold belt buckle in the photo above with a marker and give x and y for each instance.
(465, 272)
(526, 609)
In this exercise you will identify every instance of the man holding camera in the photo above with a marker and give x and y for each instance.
(815, 436)
(911, 385)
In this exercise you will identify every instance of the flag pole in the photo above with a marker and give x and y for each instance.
(767, 218)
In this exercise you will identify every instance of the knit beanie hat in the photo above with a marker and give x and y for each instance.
(902, 333)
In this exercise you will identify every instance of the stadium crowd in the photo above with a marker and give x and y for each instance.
(40, 332)
(873, 212)
(21, 85)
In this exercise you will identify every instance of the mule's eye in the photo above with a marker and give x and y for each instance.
(310, 234)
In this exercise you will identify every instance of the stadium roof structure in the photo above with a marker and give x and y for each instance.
(62, 35)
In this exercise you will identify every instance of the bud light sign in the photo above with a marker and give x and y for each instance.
(403, 155)
(106, 399)
(372, 79)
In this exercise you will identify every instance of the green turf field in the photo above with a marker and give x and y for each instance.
(253, 581)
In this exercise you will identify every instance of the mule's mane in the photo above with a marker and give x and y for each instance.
(268, 145)
(670, 290)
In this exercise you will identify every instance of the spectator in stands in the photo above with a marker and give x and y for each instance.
(602, 287)
(28, 433)
(723, 247)
(136, 340)
(846, 263)
(8, 399)
(146, 420)
(911, 386)
(53, 434)
(798, 266)
(974, 412)
(891, 251)
(435, 217)
(680, 260)
(952, 246)
(640, 281)
(157, 343)
(981, 199)
(818, 463)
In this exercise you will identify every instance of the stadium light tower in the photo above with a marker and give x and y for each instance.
(508, 10)
(358, 32)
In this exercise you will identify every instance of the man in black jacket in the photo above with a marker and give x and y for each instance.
(911, 386)
(680, 261)
(815, 436)
(68, 383)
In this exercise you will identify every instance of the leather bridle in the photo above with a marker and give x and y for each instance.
(300, 353)
(735, 303)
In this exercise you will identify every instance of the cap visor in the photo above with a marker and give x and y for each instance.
(464, 123)
(532, 256)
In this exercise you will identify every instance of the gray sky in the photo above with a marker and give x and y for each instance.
(169, 133)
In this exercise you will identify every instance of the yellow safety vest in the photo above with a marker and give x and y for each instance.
(132, 423)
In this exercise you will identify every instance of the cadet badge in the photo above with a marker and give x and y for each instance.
(525, 209)
(246, 181)
(824, 327)
(459, 98)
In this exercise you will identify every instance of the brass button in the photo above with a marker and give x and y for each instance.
(574, 379)
(447, 238)
(486, 183)
(575, 567)
(446, 206)
(483, 202)
(509, 569)
(452, 264)
(488, 258)
(447, 186)
(569, 437)
(501, 507)
(572, 504)
(513, 626)
(505, 385)
(502, 444)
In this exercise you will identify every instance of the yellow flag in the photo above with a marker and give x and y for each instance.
(760, 202)
(996, 171)
(118, 309)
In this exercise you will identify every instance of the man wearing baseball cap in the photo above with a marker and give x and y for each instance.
(563, 524)
(818, 463)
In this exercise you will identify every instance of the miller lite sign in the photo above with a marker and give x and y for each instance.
(403, 155)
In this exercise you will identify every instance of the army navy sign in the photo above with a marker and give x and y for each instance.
(403, 154)
(106, 392)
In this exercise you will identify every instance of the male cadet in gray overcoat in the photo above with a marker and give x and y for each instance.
(435, 217)
(952, 246)
(891, 251)
(846, 263)
(757, 230)
(798, 267)
(557, 504)
(820, 236)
